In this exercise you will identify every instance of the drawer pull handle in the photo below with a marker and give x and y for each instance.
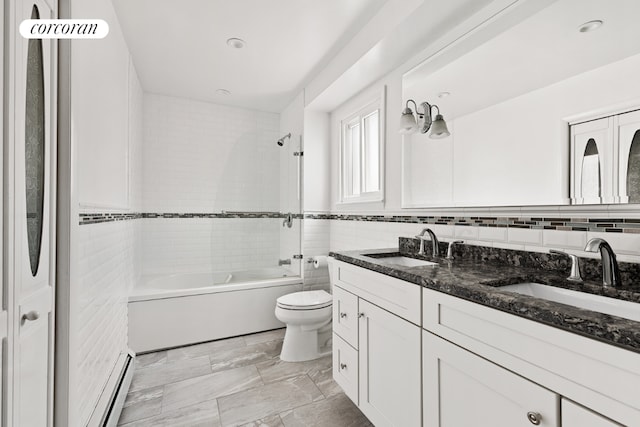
(534, 418)
(31, 316)
(360, 315)
(343, 315)
(343, 366)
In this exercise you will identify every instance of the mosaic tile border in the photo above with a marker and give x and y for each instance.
(100, 217)
(604, 225)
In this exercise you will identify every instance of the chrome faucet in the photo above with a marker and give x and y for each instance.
(575, 267)
(434, 242)
(610, 270)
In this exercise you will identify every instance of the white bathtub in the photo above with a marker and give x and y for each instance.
(173, 310)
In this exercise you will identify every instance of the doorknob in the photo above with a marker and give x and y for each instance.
(32, 315)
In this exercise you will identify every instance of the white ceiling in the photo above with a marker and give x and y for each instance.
(179, 47)
(541, 50)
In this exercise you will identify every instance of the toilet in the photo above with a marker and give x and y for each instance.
(307, 315)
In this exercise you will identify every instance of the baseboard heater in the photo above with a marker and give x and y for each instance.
(113, 402)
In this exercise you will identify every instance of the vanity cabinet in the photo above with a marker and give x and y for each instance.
(574, 415)
(376, 356)
(503, 366)
(463, 389)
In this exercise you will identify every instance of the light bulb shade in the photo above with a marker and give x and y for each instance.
(439, 128)
(408, 123)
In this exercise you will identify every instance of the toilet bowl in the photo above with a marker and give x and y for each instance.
(307, 315)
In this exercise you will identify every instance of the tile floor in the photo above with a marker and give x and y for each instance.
(238, 381)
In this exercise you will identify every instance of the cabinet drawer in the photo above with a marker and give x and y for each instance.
(345, 367)
(397, 296)
(345, 315)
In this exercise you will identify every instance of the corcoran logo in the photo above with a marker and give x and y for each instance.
(64, 28)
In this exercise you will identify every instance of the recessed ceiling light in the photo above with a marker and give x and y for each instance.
(236, 43)
(443, 94)
(590, 26)
(223, 92)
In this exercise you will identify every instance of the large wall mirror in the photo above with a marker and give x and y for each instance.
(516, 88)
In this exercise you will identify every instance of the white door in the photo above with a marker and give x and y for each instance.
(30, 182)
(389, 365)
(462, 389)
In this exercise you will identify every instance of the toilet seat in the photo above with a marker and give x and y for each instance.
(305, 300)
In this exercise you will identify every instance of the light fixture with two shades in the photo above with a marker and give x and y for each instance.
(411, 122)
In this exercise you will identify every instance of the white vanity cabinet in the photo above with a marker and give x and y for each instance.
(574, 415)
(376, 344)
(498, 365)
(463, 389)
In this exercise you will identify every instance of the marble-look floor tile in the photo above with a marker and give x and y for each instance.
(276, 334)
(276, 370)
(207, 387)
(243, 356)
(170, 372)
(273, 421)
(150, 359)
(198, 415)
(143, 395)
(337, 410)
(271, 399)
(322, 375)
(140, 410)
(204, 349)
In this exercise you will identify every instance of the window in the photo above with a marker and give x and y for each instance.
(361, 177)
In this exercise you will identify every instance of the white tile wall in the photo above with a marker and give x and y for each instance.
(316, 242)
(203, 157)
(108, 263)
(201, 245)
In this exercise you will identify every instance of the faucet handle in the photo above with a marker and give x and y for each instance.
(450, 248)
(574, 276)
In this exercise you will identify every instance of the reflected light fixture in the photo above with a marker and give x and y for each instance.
(422, 121)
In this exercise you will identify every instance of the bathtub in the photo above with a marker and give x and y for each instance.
(173, 310)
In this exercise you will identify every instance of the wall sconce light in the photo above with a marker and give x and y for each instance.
(422, 121)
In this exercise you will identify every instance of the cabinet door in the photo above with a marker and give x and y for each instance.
(345, 315)
(389, 358)
(628, 138)
(462, 389)
(592, 162)
(574, 415)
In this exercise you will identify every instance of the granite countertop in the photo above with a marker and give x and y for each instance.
(479, 281)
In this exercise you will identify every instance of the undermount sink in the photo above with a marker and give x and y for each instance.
(405, 261)
(615, 307)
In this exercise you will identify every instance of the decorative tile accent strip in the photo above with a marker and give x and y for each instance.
(605, 225)
(96, 218)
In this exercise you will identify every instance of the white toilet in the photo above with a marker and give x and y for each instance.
(307, 315)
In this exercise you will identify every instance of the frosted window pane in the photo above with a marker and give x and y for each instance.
(34, 147)
(371, 153)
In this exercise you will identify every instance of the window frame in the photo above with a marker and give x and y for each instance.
(346, 171)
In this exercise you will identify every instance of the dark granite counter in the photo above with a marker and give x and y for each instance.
(477, 277)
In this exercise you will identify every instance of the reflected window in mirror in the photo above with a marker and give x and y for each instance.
(591, 177)
(361, 154)
(633, 170)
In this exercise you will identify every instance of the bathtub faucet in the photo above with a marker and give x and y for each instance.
(284, 261)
